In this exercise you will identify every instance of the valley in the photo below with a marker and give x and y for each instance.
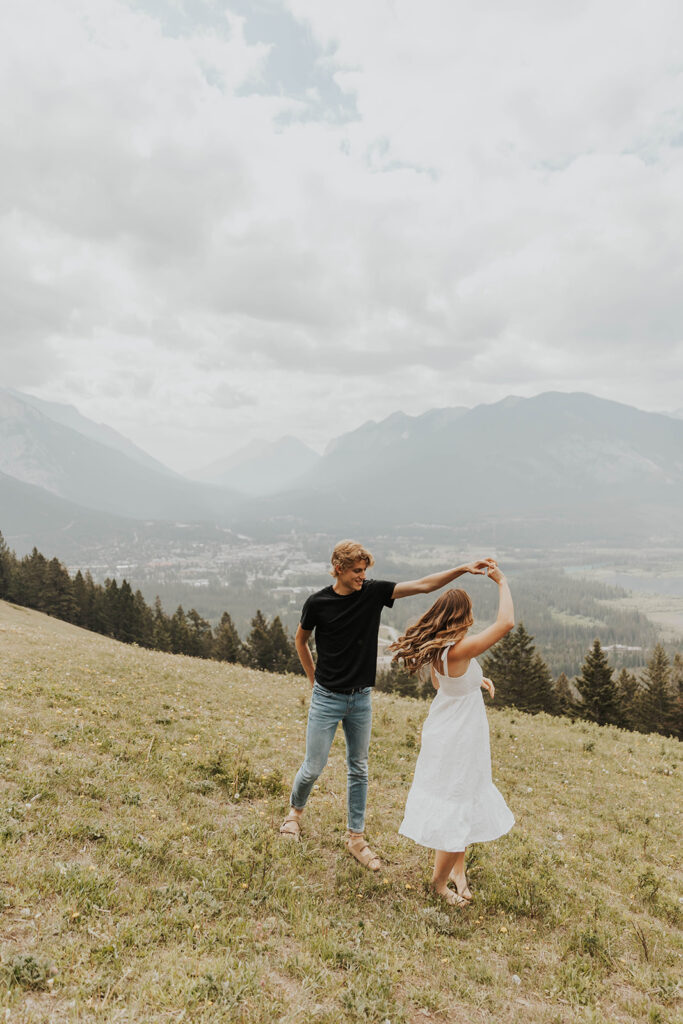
(553, 590)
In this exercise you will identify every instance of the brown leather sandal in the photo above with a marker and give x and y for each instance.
(360, 850)
(291, 826)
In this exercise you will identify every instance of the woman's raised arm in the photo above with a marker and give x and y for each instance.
(472, 646)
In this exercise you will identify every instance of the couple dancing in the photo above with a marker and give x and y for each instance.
(452, 801)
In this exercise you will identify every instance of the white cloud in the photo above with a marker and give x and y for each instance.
(490, 202)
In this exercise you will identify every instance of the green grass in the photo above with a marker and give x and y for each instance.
(143, 878)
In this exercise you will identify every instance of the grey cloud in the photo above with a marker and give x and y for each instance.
(168, 213)
(227, 397)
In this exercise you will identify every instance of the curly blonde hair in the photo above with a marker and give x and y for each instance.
(346, 553)
(445, 622)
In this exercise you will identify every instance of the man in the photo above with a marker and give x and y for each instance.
(346, 617)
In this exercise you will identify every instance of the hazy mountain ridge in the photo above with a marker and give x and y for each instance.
(32, 517)
(38, 450)
(261, 467)
(394, 431)
(69, 416)
(539, 470)
(556, 456)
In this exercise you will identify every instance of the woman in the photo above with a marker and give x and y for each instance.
(453, 801)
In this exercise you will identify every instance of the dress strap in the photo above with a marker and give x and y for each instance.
(444, 660)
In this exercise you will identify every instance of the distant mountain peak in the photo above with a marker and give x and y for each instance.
(41, 444)
(69, 416)
(260, 467)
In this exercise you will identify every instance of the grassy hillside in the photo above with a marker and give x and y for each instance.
(142, 877)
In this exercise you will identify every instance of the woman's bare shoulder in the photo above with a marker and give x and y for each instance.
(458, 660)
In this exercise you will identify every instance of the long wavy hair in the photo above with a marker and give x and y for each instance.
(445, 622)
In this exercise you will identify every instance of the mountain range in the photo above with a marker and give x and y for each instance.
(570, 458)
(531, 470)
(54, 448)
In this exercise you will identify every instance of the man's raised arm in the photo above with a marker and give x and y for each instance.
(439, 579)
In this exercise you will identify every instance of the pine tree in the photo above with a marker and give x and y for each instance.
(179, 634)
(200, 638)
(540, 692)
(161, 628)
(656, 705)
(627, 695)
(501, 665)
(227, 645)
(259, 643)
(81, 598)
(144, 621)
(110, 607)
(6, 564)
(127, 624)
(598, 692)
(281, 648)
(520, 675)
(59, 592)
(677, 683)
(564, 696)
(31, 580)
(101, 607)
(294, 664)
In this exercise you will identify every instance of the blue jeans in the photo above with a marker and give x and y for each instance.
(354, 711)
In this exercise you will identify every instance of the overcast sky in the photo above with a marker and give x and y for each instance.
(228, 219)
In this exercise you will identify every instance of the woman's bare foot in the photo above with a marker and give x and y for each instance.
(453, 899)
(461, 886)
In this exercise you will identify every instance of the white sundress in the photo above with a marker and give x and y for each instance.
(453, 801)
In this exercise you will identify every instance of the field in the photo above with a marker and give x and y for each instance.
(143, 878)
(665, 610)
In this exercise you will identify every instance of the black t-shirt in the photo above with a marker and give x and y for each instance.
(346, 627)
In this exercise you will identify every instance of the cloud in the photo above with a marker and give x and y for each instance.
(271, 211)
(226, 397)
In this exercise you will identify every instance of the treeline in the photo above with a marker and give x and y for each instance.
(115, 610)
(650, 701)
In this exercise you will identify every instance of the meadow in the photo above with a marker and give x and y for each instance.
(143, 878)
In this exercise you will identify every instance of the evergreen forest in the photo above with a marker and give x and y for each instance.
(647, 701)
